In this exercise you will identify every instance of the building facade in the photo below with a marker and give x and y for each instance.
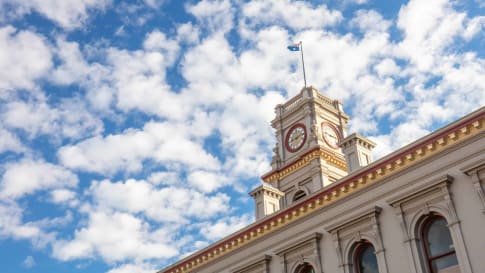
(326, 207)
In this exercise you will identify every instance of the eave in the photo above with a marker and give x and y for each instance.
(447, 137)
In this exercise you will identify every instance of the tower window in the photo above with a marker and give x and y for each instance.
(299, 195)
(365, 260)
(438, 246)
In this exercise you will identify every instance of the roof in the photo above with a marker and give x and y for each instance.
(409, 155)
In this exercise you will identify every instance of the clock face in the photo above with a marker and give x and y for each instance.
(295, 138)
(330, 135)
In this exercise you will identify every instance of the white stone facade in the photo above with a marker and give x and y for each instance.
(386, 204)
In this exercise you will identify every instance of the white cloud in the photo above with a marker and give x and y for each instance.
(224, 226)
(163, 142)
(68, 14)
(12, 225)
(207, 181)
(134, 268)
(27, 176)
(64, 196)
(167, 204)
(115, 237)
(214, 131)
(110, 154)
(74, 68)
(157, 41)
(387, 67)
(70, 119)
(10, 142)
(29, 262)
(370, 21)
(429, 27)
(188, 33)
(295, 15)
(139, 80)
(216, 15)
(164, 178)
(18, 49)
(473, 27)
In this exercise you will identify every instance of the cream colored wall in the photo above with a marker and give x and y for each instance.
(467, 204)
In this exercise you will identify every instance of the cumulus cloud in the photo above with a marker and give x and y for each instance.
(429, 27)
(207, 181)
(224, 226)
(115, 237)
(64, 196)
(13, 225)
(139, 80)
(370, 21)
(166, 204)
(70, 119)
(163, 142)
(10, 142)
(28, 176)
(29, 262)
(216, 15)
(68, 14)
(473, 27)
(18, 49)
(131, 268)
(296, 15)
(170, 161)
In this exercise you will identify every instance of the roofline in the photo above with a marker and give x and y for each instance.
(319, 198)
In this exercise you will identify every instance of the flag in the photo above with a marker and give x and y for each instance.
(294, 47)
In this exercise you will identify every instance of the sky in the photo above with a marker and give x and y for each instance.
(131, 131)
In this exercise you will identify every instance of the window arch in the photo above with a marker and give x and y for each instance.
(365, 260)
(305, 268)
(299, 195)
(438, 248)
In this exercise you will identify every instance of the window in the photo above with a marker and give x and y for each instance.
(438, 246)
(365, 259)
(305, 268)
(299, 195)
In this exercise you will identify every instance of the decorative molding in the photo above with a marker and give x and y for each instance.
(433, 197)
(267, 189)
(259, 265)
(286, 109)
(302, 161)
(474, 171)
(304, 250)
(349, 232)
(402, 159)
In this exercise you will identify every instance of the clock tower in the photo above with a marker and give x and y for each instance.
(307, 156)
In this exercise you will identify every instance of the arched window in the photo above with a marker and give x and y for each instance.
(438, 246)
(365, 260)
(305, 268)
(299, 195)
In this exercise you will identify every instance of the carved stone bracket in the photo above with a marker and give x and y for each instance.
(305, 250)
(476, 171)
(349, 232)
(432, 197)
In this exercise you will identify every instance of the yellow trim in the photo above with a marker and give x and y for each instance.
(305, 160)
(293, 214)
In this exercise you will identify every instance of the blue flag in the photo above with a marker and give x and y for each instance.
(294, 47)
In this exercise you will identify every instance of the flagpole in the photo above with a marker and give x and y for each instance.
(303, 62)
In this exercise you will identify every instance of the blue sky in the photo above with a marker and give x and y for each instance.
(131, 132)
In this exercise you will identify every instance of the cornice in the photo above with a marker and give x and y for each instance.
(304, 160)
(268, 190)
(451, 135)
(316, 236)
